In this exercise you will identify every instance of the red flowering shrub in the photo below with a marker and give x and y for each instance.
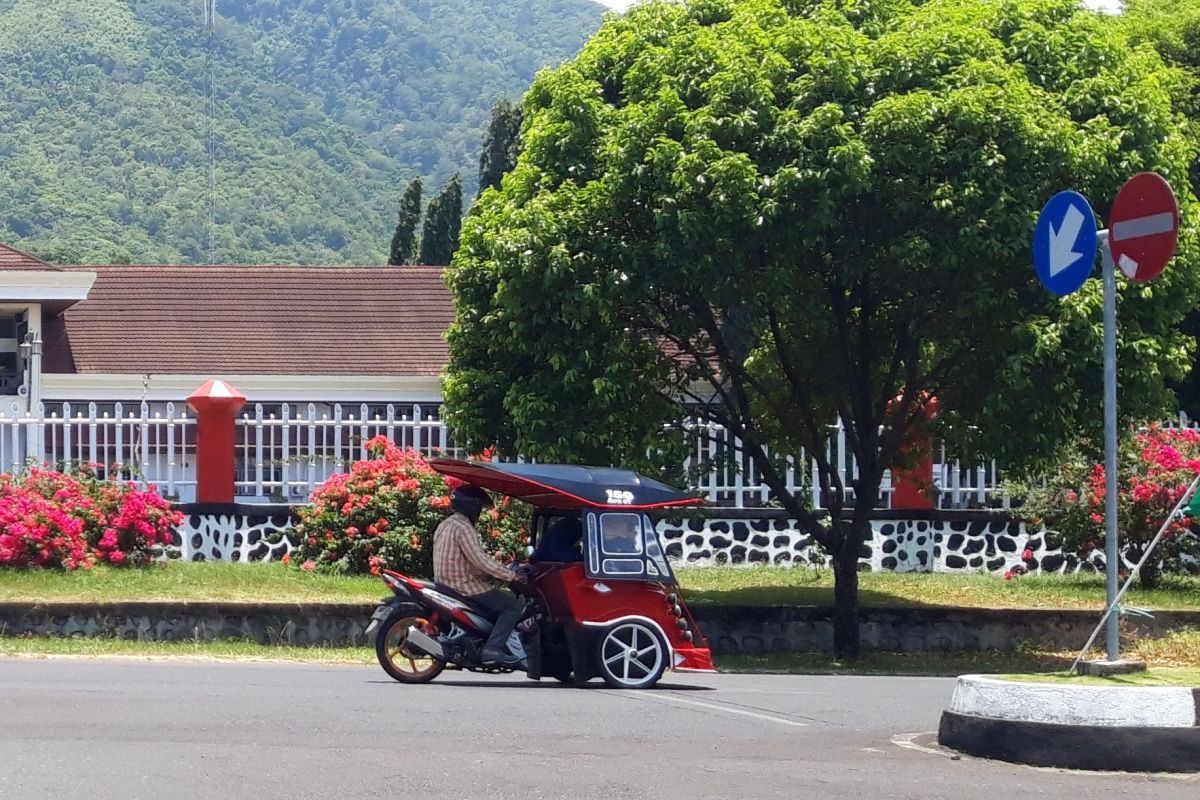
(72, 520)
(1156, 466)
(382, 514)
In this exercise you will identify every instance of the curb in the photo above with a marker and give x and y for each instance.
(1102, 728)
(1090, 747)
(731, 630)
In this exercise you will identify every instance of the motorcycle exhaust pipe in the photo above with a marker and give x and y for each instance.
(420, 641)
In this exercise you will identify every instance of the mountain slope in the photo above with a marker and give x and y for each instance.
(323, 110)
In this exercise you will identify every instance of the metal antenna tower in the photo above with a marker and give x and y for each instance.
(210, 23)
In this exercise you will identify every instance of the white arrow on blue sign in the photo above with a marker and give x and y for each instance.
(1064, 243)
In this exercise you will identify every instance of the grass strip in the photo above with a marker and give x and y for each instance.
(767, 586)
(176, 581)
(226, 650)
(1157, 676)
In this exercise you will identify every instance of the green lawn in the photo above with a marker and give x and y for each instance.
(30, 647)
(723, 585)
(801, 586)
(190, 581)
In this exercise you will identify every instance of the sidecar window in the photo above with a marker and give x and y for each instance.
(623, 545)
(621, 534)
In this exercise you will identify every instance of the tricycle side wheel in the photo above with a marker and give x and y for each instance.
(397, 660)
(631, 655)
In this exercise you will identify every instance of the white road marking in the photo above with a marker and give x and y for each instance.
(713, 707)
(905, 740)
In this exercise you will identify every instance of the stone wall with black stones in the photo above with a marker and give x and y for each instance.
(929, 541)
(914, 541)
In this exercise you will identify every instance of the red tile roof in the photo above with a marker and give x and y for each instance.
(15, 259)
(234, 320)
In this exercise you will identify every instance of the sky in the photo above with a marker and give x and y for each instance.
(1107, 5)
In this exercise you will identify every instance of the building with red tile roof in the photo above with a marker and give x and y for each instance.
(277, 333)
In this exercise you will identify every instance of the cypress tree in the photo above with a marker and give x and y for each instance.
(404, 240)
(501, 144)
(443, 221)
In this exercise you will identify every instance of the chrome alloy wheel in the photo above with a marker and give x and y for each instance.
(632, 656)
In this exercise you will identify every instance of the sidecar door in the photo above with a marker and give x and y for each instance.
(623, 545)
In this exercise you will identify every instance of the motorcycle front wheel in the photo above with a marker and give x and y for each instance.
(402, 663)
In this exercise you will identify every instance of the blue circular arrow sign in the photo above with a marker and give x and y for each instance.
(1064, 243)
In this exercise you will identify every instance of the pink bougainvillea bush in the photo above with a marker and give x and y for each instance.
(1156, 465)
(73, 520)
(382, 514)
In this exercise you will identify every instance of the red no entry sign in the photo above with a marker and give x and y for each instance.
(1144, 226)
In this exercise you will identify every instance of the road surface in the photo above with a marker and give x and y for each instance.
(121, 729)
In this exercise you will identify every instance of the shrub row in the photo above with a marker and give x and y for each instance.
(383, 512)
(73, 520)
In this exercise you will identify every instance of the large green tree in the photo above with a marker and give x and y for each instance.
(501, 144)
(404, 239)
(1172, 27)
(443, 222)
(772, 213)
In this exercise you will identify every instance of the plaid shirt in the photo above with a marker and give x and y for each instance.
(459, 560)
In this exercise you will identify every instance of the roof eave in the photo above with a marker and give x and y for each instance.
(56, 290)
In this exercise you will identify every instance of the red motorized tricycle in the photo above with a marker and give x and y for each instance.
(612, 610)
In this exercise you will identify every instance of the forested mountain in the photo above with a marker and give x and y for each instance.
(324, 110)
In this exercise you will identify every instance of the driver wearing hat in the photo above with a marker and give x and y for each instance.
(461, 563)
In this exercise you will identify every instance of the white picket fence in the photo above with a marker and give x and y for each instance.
(284, 451)
(120, 440)
(734, 480)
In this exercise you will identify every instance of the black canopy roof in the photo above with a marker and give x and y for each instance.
(564, 486)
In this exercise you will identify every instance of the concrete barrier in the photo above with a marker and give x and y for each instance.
(1112, 728)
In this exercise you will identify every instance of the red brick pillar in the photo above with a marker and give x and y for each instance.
(911, 487)
(216, 404)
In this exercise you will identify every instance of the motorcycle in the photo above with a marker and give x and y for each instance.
(425, 627)
(617, 614)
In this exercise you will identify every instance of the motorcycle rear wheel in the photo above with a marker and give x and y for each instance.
(396, 659)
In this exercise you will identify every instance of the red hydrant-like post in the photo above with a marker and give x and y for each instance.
(912, 487)
(216, 404)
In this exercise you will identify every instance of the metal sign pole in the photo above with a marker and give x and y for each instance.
(1112, 552)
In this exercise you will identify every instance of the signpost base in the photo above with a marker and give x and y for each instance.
(1103, 669)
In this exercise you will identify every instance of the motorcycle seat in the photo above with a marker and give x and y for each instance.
(446, 590)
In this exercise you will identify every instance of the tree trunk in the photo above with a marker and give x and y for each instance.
(845, 599)
(1149, 574)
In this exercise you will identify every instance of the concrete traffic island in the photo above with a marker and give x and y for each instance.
(1116, 728)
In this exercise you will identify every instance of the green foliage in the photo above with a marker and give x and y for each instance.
(382, 515)
(1172, 27)
(859, 184)
(404, 240)
(321, 109)
(772, 213)
(443, 221)
(501, 144)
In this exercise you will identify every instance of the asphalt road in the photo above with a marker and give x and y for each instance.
(100, 729)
